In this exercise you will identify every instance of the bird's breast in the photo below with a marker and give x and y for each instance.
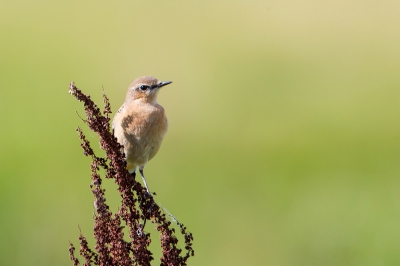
(141, 131)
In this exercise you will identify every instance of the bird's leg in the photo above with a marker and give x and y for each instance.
(148, 191)
(133, 175)
(144, 180)
(147, 188)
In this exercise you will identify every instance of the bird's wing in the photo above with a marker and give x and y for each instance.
(116, 114)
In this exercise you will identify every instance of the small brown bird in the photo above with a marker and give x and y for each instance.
(140, 124)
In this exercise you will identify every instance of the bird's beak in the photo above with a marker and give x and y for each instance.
(163, 83)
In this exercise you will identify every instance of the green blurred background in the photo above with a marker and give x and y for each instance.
(284, 138)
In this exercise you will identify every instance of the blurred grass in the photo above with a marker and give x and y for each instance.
(283, 145)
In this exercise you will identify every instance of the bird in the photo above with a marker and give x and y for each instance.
(140, 124)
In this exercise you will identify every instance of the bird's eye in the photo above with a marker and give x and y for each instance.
(143, 87)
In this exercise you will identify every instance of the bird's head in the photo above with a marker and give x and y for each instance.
(145, 89)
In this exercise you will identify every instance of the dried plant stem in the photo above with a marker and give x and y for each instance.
(136, 206)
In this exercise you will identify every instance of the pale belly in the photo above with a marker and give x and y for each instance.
(141, 150)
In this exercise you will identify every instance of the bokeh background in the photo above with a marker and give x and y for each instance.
(284, 138)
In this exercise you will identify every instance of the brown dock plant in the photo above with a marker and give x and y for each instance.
(136, 206)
